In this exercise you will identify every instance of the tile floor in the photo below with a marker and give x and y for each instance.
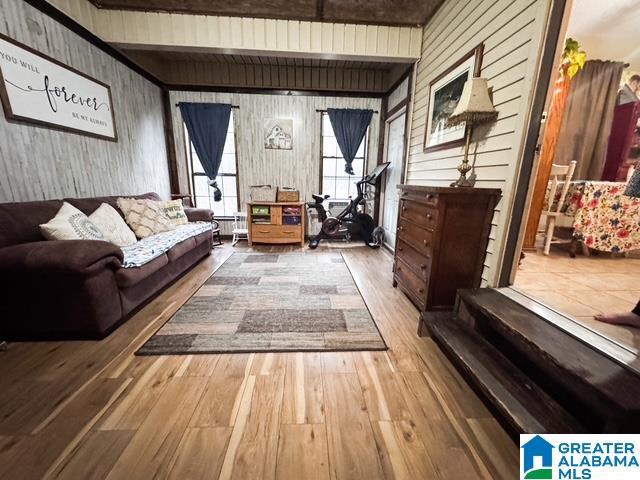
(584, 286)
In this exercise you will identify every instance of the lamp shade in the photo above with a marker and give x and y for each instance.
(475, 105)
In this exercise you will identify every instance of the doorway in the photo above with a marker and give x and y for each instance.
(581, 247)
(395, 130)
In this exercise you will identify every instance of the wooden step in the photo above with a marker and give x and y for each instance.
(601, 393)
(520, 403)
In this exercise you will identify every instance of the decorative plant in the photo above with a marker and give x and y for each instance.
(573, 58)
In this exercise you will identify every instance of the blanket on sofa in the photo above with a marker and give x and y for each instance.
(151, 247)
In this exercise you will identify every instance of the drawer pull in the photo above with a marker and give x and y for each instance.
(423, 266)
(429, 216)
(263, 231)
(287, 231)
(398, 268)
(421, 290)
(404, 208)
(401, 228)
(429, 196)
(425, 242)
(400, 249)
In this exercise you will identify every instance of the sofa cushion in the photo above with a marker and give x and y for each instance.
(70, 224)
(90, 205)
(149, 248)
(112, 226)
(126, 277)
(20, 222)
(203, 237)
(145, 217)
(181, 248)
(174, 210)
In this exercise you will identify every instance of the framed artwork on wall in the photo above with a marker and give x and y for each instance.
(278, 134)
(38, 89)
(444, 93)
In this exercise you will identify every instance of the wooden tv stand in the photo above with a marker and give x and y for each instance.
(276, 222)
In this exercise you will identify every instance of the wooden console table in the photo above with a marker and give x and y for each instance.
(276, 222)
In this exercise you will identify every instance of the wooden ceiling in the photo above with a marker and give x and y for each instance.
(380, 12)
(198, 57)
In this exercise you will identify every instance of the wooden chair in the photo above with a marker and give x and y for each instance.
(240, 229)
(559, 173)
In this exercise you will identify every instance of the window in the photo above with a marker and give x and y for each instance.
(335, 181)
(227, 177)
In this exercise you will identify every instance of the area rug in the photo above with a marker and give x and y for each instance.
(259, 302)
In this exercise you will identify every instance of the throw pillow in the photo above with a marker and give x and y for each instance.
(113, 227)
(70, 224)
(174, 210)
(144, 216)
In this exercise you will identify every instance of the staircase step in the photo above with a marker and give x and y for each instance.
(599, 391)
(521, 404)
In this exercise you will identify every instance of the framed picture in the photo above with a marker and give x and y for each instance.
(278, 134)
(444, 95)
(38, 89)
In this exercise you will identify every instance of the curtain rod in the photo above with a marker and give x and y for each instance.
(325, 111)
(232, 106)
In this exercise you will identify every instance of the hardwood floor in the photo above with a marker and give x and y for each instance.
(93, 410)
(582, 287)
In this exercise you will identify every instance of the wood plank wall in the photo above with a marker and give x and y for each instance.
(512, 32)
(39, 163)
(278, 77)
(398, 95)
(300, 167)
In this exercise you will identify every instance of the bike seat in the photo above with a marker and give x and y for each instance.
(319, 198)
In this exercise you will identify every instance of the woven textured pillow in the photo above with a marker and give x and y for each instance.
(144, 216)
(112, 226)
(70, 224)
(174, 210)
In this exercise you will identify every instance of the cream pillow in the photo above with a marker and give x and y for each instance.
(113, 227)
(144, 216)
(174, 210)
(70, 224)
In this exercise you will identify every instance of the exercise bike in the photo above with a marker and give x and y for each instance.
(351, 220)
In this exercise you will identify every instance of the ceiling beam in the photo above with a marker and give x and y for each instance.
(246, 36)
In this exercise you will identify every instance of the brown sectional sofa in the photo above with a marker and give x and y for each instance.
(77, 288)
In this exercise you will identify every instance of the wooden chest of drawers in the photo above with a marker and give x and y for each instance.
(441, 242)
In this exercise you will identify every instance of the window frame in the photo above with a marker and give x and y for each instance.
(365, 160)
(192, 174)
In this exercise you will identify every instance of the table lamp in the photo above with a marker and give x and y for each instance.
(475, 107)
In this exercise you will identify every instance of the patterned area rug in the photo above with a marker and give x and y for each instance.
(258, 302)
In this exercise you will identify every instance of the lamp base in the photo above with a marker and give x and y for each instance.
(463, 181)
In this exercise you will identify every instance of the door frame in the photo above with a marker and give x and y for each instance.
(551, 50)
(401, 109)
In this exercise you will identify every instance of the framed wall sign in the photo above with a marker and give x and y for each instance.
(38, 89)
(278, 133)
(444, 94)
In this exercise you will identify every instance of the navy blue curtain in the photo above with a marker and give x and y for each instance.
(349, 126)
(207, 124)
